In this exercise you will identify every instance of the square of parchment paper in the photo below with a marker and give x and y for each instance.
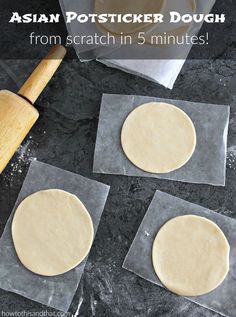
(161, 70)
(58, 291)
(163, 208)
(206, 166)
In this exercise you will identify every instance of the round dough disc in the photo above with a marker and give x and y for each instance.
(52, 232)
(190, 255)
(158, 137)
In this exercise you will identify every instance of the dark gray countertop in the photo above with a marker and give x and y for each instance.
(65, 136)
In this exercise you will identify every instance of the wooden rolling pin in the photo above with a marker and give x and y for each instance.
(17, 114)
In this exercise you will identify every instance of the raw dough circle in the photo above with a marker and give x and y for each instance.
(190, 255)
(52, 232)
(158, 137)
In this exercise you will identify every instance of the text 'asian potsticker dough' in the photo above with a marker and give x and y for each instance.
(52, 232)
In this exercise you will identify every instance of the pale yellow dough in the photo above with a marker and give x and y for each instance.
(149, 30)
(158, 137)
(127, 7)
(173, 29)
(52, 232)
(190, 255)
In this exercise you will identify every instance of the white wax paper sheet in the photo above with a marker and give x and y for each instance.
(58, 291)
(208, 163)
(163, 208)
(161, 69)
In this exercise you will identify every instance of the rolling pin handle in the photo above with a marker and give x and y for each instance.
(43, 73)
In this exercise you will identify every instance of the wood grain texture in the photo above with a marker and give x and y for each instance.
(43, 73)
(17, 116)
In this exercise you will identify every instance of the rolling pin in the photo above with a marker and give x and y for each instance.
(17, 114)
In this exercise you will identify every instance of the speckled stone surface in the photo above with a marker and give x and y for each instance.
(65, 136)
